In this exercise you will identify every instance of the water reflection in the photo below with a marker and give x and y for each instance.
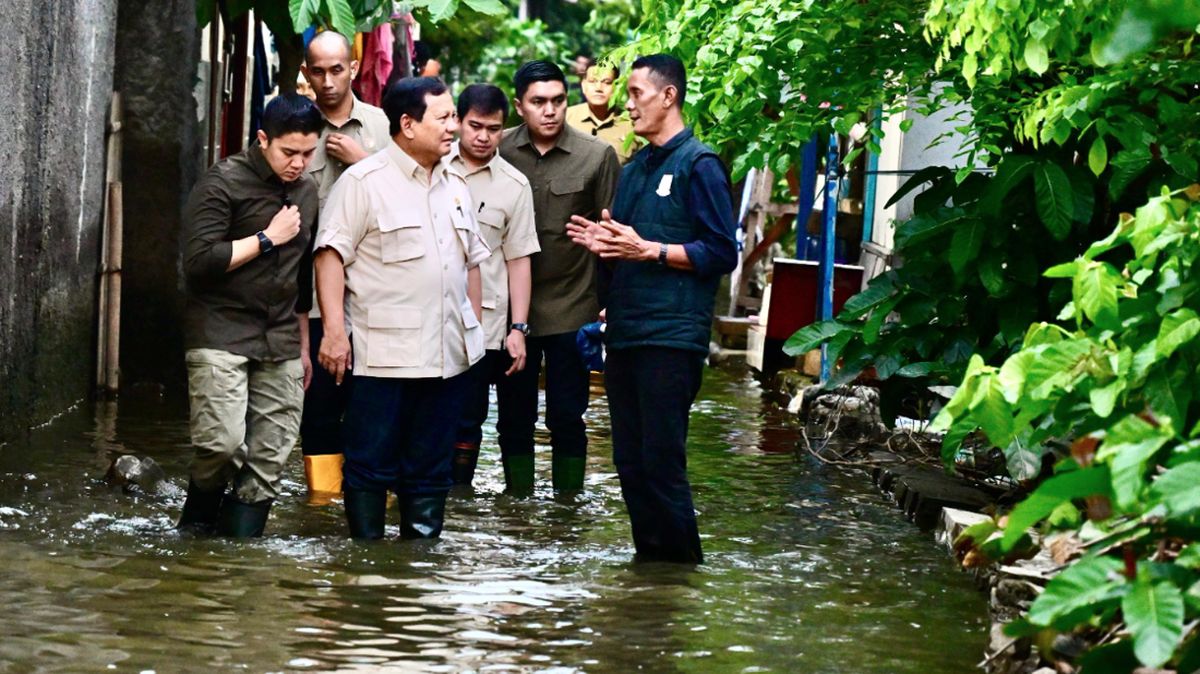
(808, 570)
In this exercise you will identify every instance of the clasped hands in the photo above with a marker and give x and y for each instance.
(610, 239)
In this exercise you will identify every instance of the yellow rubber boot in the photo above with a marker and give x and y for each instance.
(324, 475)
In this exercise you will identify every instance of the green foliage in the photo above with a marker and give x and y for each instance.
(969, 282)
(765, 75)
(1123, 373)
(292, 17)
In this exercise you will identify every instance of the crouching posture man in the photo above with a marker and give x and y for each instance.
(249, 276)
(398, 236)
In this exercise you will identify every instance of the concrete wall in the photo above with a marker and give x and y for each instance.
(57, 82)
(157, 54)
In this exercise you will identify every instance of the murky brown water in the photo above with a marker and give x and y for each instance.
(809, 569)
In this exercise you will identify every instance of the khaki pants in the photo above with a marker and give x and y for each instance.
(245, 419)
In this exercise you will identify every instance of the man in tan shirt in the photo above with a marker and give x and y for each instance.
(352, 131)
(597, 116)
(398, 244)
(504, 209)
(570, 173)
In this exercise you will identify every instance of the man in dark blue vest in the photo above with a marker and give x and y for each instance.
(660, 282)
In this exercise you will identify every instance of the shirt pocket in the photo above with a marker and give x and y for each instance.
(400, 241)
(472, 333)
(569, 191)
(491, 227)
(393, 337)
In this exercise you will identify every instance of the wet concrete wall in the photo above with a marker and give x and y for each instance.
(157, 54)
(57, 82)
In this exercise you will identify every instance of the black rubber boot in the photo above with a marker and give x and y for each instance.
(466, 457)
(365, 513)
(200, 510)
(243, 520)
(421, 516)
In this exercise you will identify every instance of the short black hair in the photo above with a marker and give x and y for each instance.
(484, 99)
(537, 71)
(291, 113)
(407, 97)
(666, 71)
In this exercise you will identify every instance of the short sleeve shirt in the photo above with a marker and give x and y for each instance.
(504, 209)
(406, 242)
(614, 129)
(577, 176)
(368, 126)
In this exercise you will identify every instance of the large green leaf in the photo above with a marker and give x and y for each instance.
(1098, 156)
(1013, 170)
(1055, 201)
(1086, 583)
(965, 245)
(880, 289)
(813, 335)
(1178, 328)
(341, 16)
(1154, 614)
(1061, 488)
(1179, 489)
(1129, 444)
(1095, 292)
(927, 174)
(489, 7)
(304, 13)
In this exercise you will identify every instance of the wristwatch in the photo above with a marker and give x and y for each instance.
(662, 254)
(523, 328)
(265, 244)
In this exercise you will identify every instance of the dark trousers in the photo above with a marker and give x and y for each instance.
(650, 392)
(566, 396)
(399, 434)
(480, 379)
(324, 402)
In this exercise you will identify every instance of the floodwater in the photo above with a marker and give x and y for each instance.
(808, 568)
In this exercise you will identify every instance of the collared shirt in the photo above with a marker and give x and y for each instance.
(578, 176)
(406, 243)
(613, 129)
(368, 126)
(504, 209)
(250, 311)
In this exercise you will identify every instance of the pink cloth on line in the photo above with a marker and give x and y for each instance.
(377, 63)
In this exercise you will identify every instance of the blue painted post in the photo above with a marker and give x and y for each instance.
(828, 235)
(872, 183)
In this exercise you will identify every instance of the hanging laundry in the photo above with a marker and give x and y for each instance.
(376, 63)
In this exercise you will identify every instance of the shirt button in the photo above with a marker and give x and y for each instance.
(445, 266)
(440, 242)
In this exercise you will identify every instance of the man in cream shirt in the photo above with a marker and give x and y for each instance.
(504, 209)
(398, 238)
(352, 131)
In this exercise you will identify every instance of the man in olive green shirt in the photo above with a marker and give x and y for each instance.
(597, 116)
(351, 132)
(570, 174)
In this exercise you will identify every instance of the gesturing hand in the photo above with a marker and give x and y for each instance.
(610, 239)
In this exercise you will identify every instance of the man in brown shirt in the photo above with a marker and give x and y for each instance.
(570, 174)
(352, 131)
(249, 274)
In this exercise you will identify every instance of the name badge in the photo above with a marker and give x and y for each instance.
(664, 186)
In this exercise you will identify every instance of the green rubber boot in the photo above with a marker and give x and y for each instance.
(568, 472)
(518, 474)
(243, 520)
